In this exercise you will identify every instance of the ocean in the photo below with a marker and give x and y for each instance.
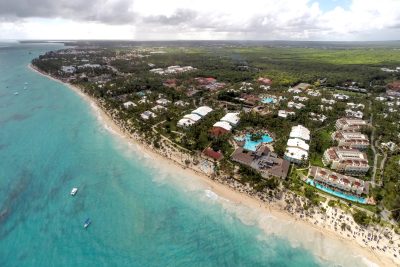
(142, 214)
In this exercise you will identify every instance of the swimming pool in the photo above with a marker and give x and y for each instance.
(252, 145)
(268, 100)
(337, 193)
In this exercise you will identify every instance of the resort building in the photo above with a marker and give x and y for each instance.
(202, 111)
(147, 115)
(350, 124)
(300, 98)
(355, 106)
(158, 108)
(351, 139)
(317, 117)
(226, 124)
(209, 153)
(129, 104)
(354, 114)
(297, 147)
(263, 160)
(300, 132)
(163, 101)
(341, 96)
(328, 101)
(181, 103)
(285, 114)
(346, 160)
(342, 183)
(231, 118)
(194, 117)
(314, 93)
(292, 104)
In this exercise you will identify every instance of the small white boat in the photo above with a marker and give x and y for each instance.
(74, 191)
(16, 93)
(87, 223)
(25, 87)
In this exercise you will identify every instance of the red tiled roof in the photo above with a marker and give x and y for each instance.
(218, 131)
(209, 152)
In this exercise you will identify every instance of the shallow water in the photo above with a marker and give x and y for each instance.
(142, 215)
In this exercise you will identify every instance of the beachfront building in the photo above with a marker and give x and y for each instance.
(339, 182)
(350, 124)
(195, 116)
(129, 104)
(297, 146)
(351, 139)
(209, 153)
(226, 124)
(263, 160)
(346, 160)
(147, 115)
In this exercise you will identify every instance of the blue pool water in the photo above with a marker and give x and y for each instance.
(337, 193)
(268, 100)
(252, 145)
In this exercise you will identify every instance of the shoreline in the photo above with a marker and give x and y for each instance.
(224, 190)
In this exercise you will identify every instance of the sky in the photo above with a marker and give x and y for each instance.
(325, 20)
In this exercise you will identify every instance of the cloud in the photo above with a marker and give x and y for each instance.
(213, 19)
(106, 11)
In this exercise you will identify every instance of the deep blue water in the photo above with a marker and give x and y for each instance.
(51, 141)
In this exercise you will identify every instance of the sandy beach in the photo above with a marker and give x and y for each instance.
(309, 231)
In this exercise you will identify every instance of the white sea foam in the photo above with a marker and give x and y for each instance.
(210, 194)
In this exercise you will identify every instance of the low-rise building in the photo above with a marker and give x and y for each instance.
(158, 108)
(129, 104)
(285, 114)
(148, 115)
(317, 117)
(300, 132)
(194, 117)
(328, 101)
(346, 160)
(340, 182)
(341, 96)
(351, 139)
(300, 98)
(163, 101)
(297, 147)
(292, 104)
(350, 124)
(263, 160)
(354, 114)
(212, 154)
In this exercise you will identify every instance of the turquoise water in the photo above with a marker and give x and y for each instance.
(337, 193)
(252, 145)
(268, 100)
(142, 215)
